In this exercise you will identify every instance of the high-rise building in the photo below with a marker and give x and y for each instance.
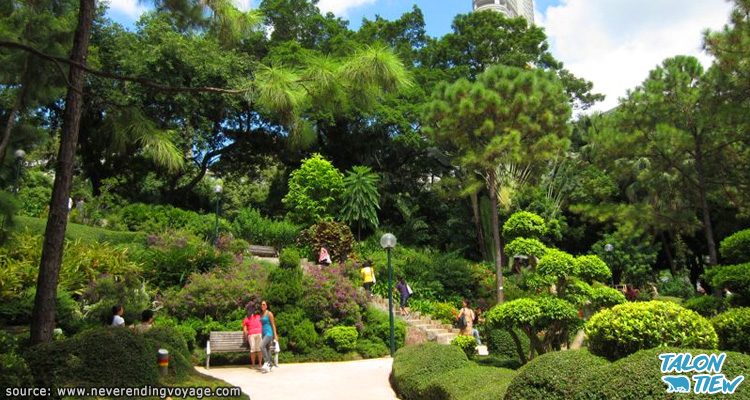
(511, 8)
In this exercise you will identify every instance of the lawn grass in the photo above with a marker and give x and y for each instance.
(196, 379)
(86, 234)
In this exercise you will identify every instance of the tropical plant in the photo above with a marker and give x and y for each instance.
(361, 198)
(314, 191)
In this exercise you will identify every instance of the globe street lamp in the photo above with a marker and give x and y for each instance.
(20, 155)
(217, 190)
(609, 248)
(388, 242)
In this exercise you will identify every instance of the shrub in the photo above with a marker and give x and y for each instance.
(314, 191)
(14, 372)
(627, 328)
(377, 327)
(733, 328)
(501, 343)
(707, 306)
(172, 340)
(297, 332)
(289, 258)
(677, 286)
(160, 218)
(528, 247)
(736, 278)
(591, 268)
(735, 249)
(106, 357)
(17, 311)
(605, 297)
(559, 265)
(34, 201)
(342, 338)
(107, 292)
(444, 312)
(256, 229)
(284, 287)
(553, 376)
(472, 382)
(330, 299)
(372, 348)
(524, 224)
(414, 367)
(638, 376)
(336, 237)
(467, 344)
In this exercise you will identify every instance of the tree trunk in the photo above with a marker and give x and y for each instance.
(6, 131)
(668, 253)
(478, 225)
(492, 187)
(43, 317)
(519, 347)
(708, 229)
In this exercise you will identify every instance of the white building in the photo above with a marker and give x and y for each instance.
(511, 8)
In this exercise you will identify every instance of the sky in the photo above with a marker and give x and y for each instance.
(613, 43)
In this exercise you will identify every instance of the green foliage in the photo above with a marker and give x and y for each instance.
(297, 333)
(733, 328)
(467, 344)
(289, 258)
(558, 264)
(414, 367)
(14, 372)
(707, 306)
(172, 340)
(605, 297)
(284, 287)
(106, 292)
(34, 201)
(79, 233)
(341, 338)
(736, 278)
(472, 382)
(632, 258)
(158, 218)
(528, 247)
(735, 249)
(104, 357)
(554, 376)
(314, 191)
(377, 328)
(677, 286)
(501, 343)
(216, 293)
(524, 224)
(336, 237)
(627, 328)
(638, 376)
(17, 310)
(330, 299)
(258, 230)
(361, 197)
(372, 348)
(591, 268)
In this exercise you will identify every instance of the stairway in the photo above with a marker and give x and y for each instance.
(434, 330)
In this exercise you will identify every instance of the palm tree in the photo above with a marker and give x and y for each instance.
(361, 198)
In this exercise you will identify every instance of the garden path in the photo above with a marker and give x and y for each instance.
(363, 380)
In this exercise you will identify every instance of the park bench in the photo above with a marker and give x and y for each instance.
(224, 342)
(263, 251)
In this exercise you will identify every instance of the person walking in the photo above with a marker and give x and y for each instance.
(252, 329)
(368, 276)
(268, 331)
(405, 292)
(117, 319)
(465, 319)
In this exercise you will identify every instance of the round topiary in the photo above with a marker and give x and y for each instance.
(626, 328)
(342, 338)
(414, 367)
(501, 343)
(605, 297)
(735, 249)
(638, 377)
(557, 263)
(736, 278)
(591, 268)
(472, 382)
(289, 258)
(525, 246)
(707, 306)
(733, 328)
(524, 224)
(467, 344)
(555, 375)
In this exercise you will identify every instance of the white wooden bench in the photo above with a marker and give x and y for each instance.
(224, 342)
(263, 251)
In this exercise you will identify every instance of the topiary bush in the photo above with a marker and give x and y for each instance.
(554, 376)
(377, 327)
(372, 348)
(707, 306)
(467, 344)
(289, 258)
(736, 278)
(735, 249)
(626, 328)
(172, 340)
(297, 333)
(501, 343)
(336, 237)
(591, 268)
(284, 287)
(605, 297)
(524, 224)
(525, 246)
(414, 367)
(638, 376)
(342, 338)
(733, 328)
(103, 357)
(472, 382)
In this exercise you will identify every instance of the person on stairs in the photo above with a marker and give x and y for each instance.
(368, 276)
(405, 292)
(465, 319)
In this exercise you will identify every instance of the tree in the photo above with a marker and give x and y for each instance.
(510, 119)
(314, 191)
(361, 198)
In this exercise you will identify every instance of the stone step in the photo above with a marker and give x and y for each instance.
(445, 338)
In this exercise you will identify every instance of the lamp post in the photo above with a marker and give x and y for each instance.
(609, 248)
(20, 155)
(217, 190)
(388, 242)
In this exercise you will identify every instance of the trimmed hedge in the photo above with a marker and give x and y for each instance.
(707, 306)
(467, 344)
(500, 343)
(733, 328)
(626, 328)
(736, 278)
(638, 377)
(553, 376)
(736, 248)
(414, 367)
(469, 383)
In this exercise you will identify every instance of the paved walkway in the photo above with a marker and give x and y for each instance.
(362, 380)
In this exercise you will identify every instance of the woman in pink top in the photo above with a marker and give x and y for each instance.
(252, 328)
